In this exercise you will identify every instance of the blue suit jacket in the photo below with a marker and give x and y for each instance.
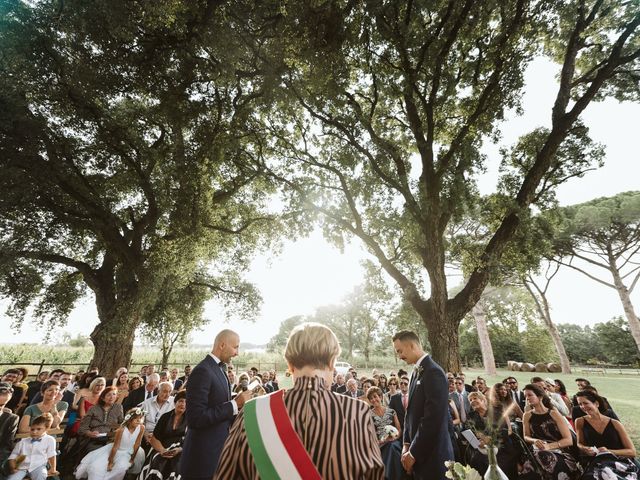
(426, 424)
(209, 417)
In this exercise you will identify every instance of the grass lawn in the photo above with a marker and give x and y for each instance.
(622, 391)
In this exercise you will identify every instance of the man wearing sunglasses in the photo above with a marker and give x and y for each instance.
(516, 394)
(400, 400)
(8, 423)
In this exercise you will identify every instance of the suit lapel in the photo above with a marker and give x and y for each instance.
(414, 382)
(217, 371)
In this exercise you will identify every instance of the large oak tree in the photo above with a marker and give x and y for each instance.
(392, 101)
(127, 160)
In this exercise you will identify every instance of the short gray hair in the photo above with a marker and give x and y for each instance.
(154, 376)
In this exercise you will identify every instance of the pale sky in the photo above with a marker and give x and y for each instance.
(310, 273)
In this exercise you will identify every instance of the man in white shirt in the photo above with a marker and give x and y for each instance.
(35, 452)
(156, 406)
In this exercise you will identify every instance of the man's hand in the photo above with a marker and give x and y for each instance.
(407, 461)
(241, 398)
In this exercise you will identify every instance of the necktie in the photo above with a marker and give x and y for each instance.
(149, 394)
(405, 400)
(223, 367)
(463, 414)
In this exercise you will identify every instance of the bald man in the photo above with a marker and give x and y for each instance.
(210, 409)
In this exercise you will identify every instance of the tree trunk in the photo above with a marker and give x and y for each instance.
(557, 342)
(542, 304)
(113, 345)
(445, 348)
(629, 311)
(488, 360)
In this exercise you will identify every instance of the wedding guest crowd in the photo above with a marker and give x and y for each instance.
(135, 425)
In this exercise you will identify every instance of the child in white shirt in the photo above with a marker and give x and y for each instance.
(31, 455)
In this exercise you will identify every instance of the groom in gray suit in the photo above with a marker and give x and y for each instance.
(210, 409)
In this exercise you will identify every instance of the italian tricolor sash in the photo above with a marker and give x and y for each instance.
(277, 449)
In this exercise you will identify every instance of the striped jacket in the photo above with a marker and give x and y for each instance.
(336, 430)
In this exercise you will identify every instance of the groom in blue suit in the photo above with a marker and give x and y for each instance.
(427, 444)
(210, 409)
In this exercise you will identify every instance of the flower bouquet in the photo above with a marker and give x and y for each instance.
(390, 432)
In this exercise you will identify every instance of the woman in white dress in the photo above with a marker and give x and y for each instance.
(113, 461)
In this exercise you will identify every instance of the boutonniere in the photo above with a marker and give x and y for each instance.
(419, 370)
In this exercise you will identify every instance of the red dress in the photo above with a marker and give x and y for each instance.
(76, 425)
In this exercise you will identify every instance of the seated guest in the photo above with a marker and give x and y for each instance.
(149, 390)
(157, 406)
(134, 383)
(34, 456)
(605, 437)
(336, 432)
(116, 380)
(383, 384)
(503, 401)
(243, 383)
(483, 420)
(561, 390)
(481, 386)
(11, 377)
(100, 421)
(339, 386)
(67, 396)
(400, 400)
(274, 381)
(460, 398)
(50, 403)
(352, 389)
(21, 383)
(121, 382)
(33, 387)
(367, 383)
(548, 433)
(113, 461)
(556, 400)
(166, 442)
(88, 400)
(392, 389)
(390, 445)
(8, 423)
(577, 412)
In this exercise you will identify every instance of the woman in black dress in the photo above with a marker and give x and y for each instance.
(547, 432)
(166, 440)
(605, 441)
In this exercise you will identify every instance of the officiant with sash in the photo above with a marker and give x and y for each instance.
(211, 409)
(307, 432)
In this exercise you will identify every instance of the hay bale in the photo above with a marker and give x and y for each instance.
(540, 367)
(517, 366)
(527, 367)
(554, 367)
(510, 364)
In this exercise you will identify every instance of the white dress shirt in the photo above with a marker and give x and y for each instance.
(154, 411)
(37, 453)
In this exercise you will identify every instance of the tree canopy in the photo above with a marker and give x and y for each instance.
(127, 159)
(392, 102)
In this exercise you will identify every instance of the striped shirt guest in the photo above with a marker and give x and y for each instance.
(327, 435)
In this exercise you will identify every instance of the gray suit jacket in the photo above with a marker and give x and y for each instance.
(465, 402)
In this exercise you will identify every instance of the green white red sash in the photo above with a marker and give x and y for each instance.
(277, 450)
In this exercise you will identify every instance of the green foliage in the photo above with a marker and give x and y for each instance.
(617, 342)
(582, 344)
(130, 159)
(390, 103)
(279, 340)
